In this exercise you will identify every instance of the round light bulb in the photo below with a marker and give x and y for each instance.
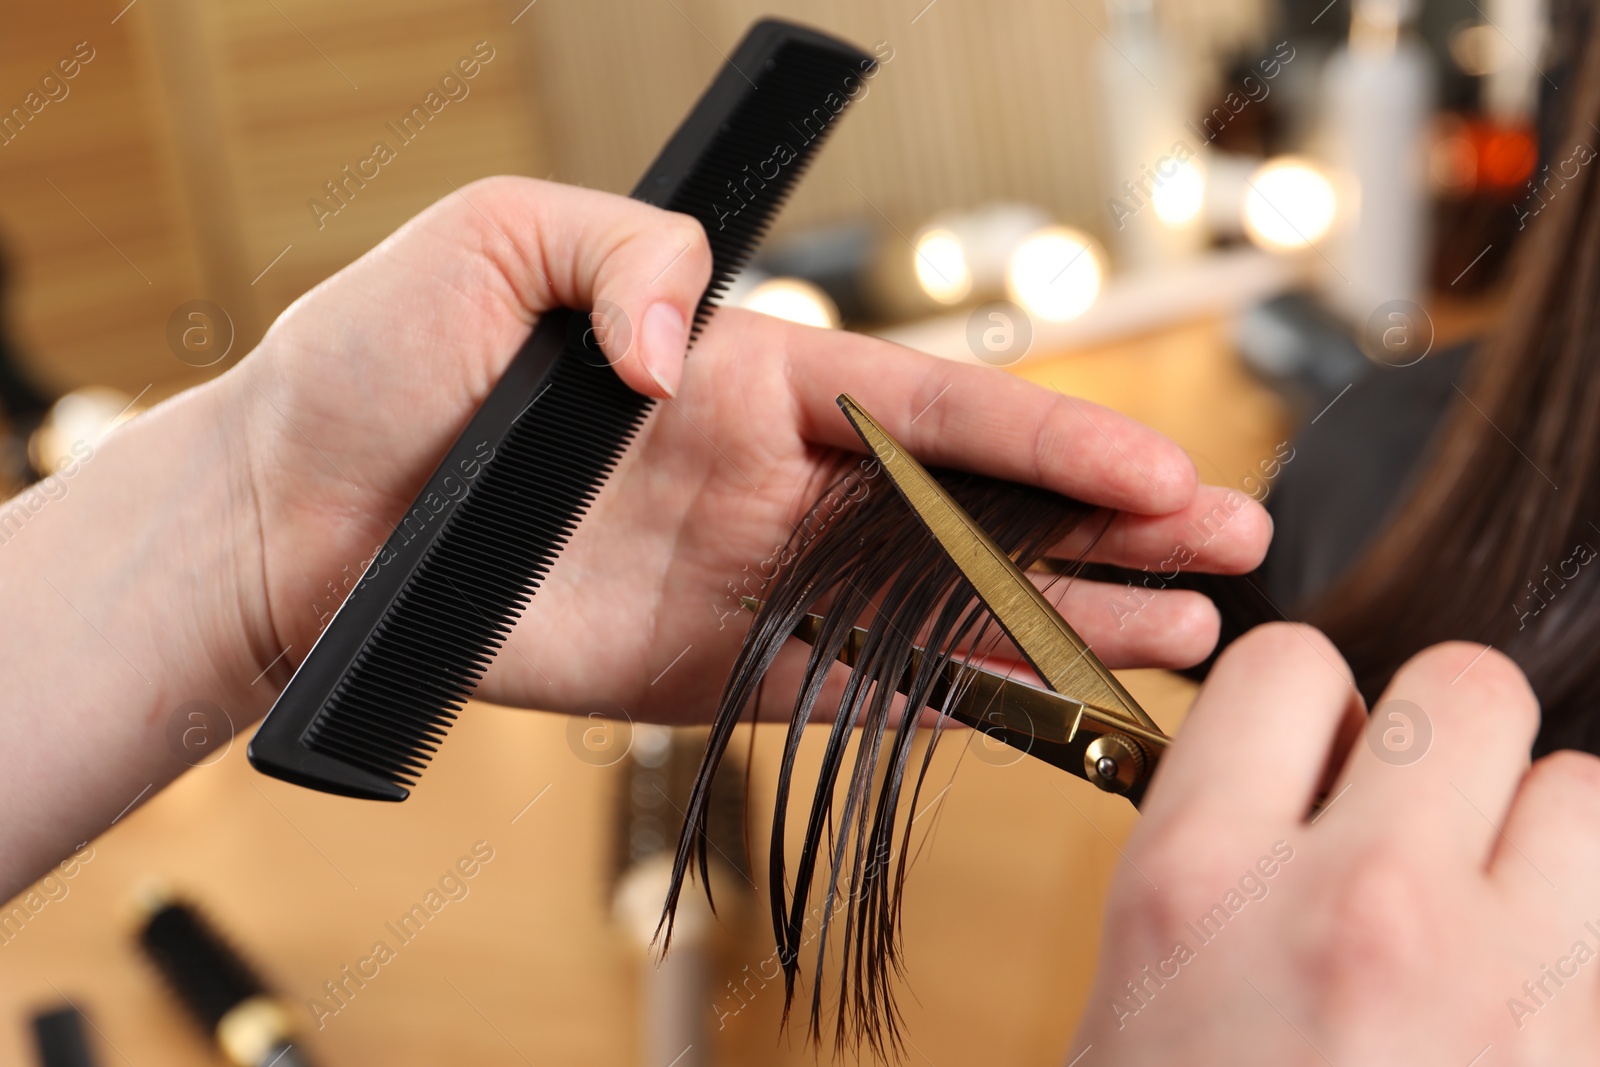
(1477, 49)
(1289, 204)
(941, 265)
(1055, 274)
(794, 299)
(1179, 198)
(77, 421)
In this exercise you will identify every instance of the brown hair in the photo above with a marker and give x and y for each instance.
(1493, 544)
(866, 557)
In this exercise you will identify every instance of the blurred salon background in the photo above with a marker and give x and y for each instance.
(1218, 216)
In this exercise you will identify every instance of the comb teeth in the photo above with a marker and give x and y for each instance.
(789, 112)
(368, 707)
(428, 653)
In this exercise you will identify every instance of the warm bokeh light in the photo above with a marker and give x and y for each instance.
(942, 268)
(1452, 157)
(1507, 155)
(1055, 274)
(1290, 204)
(1480, 153)
(75, 423)
(794, 299)
(1477, 49)
(1179, 198)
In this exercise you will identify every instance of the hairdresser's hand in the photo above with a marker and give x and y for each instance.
(359, 388)
(1443, 908)
(198, 551)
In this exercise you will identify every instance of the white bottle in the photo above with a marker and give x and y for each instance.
(1378, 92)
(1146, 93)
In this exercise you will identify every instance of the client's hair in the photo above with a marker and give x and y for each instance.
(1497, 539)
(861, 552)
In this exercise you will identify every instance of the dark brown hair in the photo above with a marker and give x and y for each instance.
(1495, 540)
(862, 558)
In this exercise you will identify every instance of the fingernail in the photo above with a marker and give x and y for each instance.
(664, 337)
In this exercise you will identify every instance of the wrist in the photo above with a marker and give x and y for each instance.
(245, 656)
(134, 577)
(161, 531)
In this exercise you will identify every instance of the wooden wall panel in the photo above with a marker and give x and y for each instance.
(198, 135)
(982, 100)
(194, 141)
(979, 100)
(307, 89)
(88, 210)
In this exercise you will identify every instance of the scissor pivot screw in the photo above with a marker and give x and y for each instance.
(1114, 763)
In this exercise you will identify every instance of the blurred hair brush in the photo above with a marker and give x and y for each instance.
(222, 991)
(367, 708)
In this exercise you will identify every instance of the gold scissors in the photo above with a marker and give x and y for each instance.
(1090, 725)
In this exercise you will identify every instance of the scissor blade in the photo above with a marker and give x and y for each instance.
(1022, 713)
(985, 699)
(1060, 656)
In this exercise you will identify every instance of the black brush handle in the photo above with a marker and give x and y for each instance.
(220, 989)
(61, 1039)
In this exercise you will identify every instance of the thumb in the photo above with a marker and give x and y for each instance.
(638, 269)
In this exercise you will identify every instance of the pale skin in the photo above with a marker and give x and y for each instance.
(192, 556)
(199, 541)
(1431, 914)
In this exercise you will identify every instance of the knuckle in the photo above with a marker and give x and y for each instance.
(685, 230)
(1254, 537)
(1474, 692)
(1180, 872)
(1524, 714)
(1573, 778)
(1282, 637)
(1154, 910)
(1051, 441)
(497, 184)
(484, 196)
(1487, 668)
(1380, 930)
(1281, 642)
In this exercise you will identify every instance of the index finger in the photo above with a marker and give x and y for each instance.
(985, 420)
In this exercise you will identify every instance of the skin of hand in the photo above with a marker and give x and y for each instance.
(205, 544)
(1441, 907)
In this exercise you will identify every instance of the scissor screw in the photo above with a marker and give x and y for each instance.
(1114, 762)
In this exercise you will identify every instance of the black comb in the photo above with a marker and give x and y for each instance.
(366, 710)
